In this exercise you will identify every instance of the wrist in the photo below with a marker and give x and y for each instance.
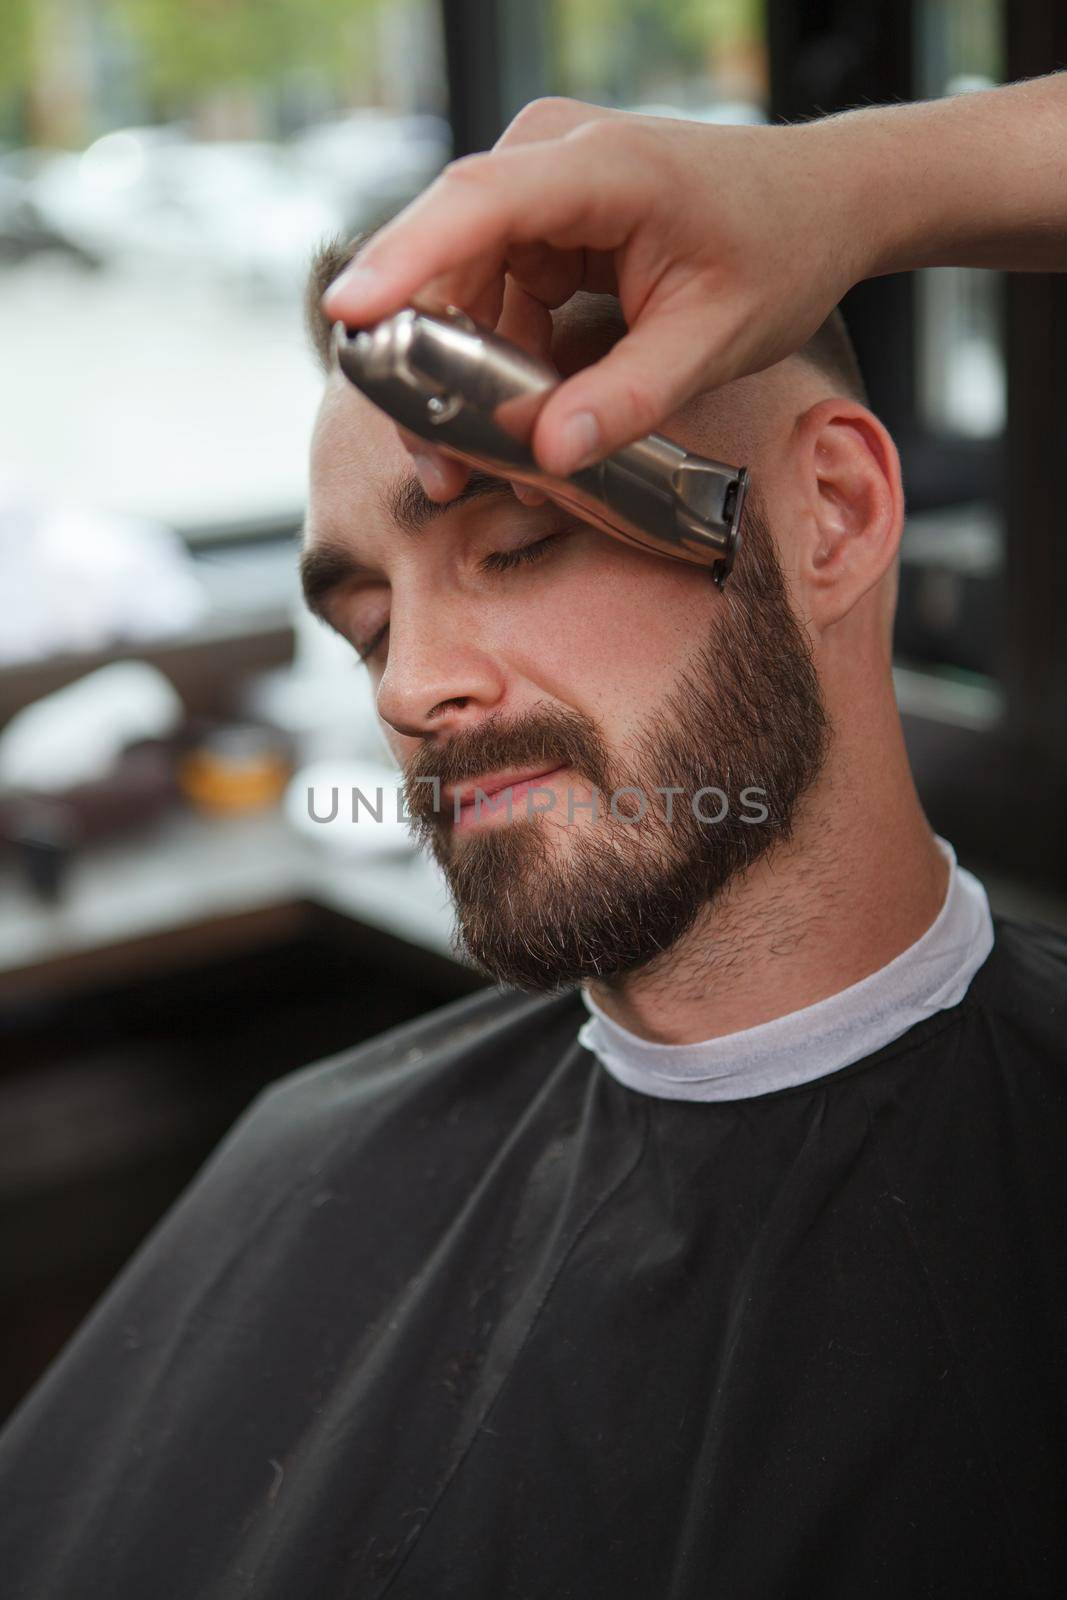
(881, 184)
(969, 180)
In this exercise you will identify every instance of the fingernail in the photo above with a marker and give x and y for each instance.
(430, 474)
(579, 441)
(528, 496)
(356, 282)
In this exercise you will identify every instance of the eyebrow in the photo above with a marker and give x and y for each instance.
(411, 508)
(324, 568)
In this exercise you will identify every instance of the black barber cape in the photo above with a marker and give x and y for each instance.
(455, 1314)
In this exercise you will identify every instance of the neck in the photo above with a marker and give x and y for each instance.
(860, 880)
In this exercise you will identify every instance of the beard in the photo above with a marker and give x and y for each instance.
(543, 909)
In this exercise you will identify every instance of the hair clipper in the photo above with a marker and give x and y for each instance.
(446, 379)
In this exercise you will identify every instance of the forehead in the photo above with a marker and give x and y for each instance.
(353, 442)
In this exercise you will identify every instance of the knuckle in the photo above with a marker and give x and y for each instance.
(626, 143)
(595, 135)
(637, 402)
(547, 111)
(477, 170)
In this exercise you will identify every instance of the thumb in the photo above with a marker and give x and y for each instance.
(631, 391)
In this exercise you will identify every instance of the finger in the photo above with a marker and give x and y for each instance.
(525, 320)
(598, 272)
(481, 205)
(479, 289)
(551, 276)
(529, 495)
(630, 392)
(441, 475)
(490, 303)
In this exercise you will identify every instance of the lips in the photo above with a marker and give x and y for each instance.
(495, 783)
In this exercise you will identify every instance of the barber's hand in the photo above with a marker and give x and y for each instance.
(727, 247)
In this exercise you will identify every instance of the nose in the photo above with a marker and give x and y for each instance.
(438, 679)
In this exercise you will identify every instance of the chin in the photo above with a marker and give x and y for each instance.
(538, 912)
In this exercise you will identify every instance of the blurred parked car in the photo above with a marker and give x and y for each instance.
(373, 161)
(245, 211)
(24, 232)
(156, 196)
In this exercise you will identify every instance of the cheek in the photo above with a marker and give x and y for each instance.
(611, 639)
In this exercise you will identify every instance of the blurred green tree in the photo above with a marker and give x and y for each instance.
(612, 47)
(190, 47)
(64, 62)
(16, 29)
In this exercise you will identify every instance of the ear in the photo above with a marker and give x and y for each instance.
(852, 506)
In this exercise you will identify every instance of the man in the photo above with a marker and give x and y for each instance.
(727, 1260)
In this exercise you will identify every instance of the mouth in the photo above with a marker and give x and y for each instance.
(497, 797)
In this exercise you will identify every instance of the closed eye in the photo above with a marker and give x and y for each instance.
(498, 561)
(365, 651)
(504, 560)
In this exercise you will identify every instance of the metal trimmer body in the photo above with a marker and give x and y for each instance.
(456, 384)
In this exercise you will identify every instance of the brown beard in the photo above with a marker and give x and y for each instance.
(747, 714)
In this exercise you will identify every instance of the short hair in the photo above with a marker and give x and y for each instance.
(830, 348)
(831, 351)
(327, 263)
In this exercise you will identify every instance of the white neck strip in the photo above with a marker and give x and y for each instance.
(929, 976)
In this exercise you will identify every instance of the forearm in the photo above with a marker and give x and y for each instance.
(976, 180)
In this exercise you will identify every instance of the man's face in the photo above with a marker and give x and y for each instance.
(588, 690)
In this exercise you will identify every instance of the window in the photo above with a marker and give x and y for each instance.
(954, 545)
(962, 376)
(166, 168)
